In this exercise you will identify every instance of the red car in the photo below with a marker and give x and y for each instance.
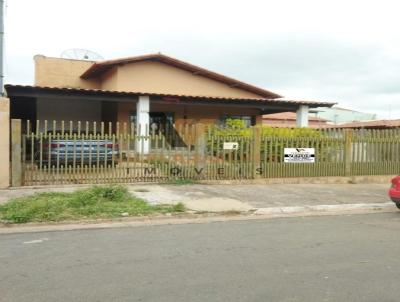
(394, 191)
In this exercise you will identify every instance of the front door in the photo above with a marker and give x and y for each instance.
(161, 123)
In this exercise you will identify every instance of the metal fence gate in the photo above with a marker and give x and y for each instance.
(92, 153)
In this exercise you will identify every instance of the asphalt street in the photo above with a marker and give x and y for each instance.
(330, 258)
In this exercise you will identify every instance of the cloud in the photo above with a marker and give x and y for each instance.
(317, 50)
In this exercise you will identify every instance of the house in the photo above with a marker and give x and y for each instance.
(338, 115)
(144, 90)
(288, 120)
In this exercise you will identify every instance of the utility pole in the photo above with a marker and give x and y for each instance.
(1, 47)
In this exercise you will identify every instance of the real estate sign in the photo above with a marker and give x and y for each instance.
(231, 146)
(299, 155)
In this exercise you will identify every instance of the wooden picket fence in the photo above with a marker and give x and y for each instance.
(93, 153)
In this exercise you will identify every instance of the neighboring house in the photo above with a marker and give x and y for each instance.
(338, 115)
(377, 124)
(146, 90)
(288, 120)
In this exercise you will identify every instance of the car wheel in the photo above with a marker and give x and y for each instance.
(398, 204)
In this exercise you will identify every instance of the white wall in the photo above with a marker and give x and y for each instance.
(337, 115)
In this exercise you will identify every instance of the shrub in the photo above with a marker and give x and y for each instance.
(236, 130)
(94, 202)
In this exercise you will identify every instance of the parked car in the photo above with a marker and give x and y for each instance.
(394, 191)
(68, 152)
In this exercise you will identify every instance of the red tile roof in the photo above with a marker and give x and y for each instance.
(101, 67)
(371, 124)
(289, 116)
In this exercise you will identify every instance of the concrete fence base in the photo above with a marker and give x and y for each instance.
(377, 179)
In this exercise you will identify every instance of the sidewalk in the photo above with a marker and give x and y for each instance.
(261, 196)
(244, 197)
(219, 203)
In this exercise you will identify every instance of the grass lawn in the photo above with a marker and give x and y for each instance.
(92, 203)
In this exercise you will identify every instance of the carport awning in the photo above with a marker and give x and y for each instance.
(122, 96)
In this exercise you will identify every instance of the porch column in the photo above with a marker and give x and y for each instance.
(302, 116)
(4, 143)
(142, 124)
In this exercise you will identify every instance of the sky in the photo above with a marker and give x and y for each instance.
(335, 51)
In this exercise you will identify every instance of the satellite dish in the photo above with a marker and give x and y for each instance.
(81, 54)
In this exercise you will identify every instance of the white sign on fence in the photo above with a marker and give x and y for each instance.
(299, 155)
(231, 146)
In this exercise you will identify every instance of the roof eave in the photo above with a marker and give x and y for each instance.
(28, 89)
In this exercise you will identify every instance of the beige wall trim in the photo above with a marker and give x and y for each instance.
(151, 77)
(58, 72)
(156, 77)
(4, 143)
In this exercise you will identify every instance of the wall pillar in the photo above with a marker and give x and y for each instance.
(4, 143)
(16, 153)
(257, 134)
(302, 116)
(200, 147)
(142, 124)
(259, 119)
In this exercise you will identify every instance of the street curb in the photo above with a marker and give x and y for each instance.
(340, 208)
(259, 214)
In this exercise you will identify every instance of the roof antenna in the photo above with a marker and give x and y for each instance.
(80, 54)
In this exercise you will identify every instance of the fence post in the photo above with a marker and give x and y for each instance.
(256, 158)
(200, 148)
(348, 146)
(4, 143)
(16, 159)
